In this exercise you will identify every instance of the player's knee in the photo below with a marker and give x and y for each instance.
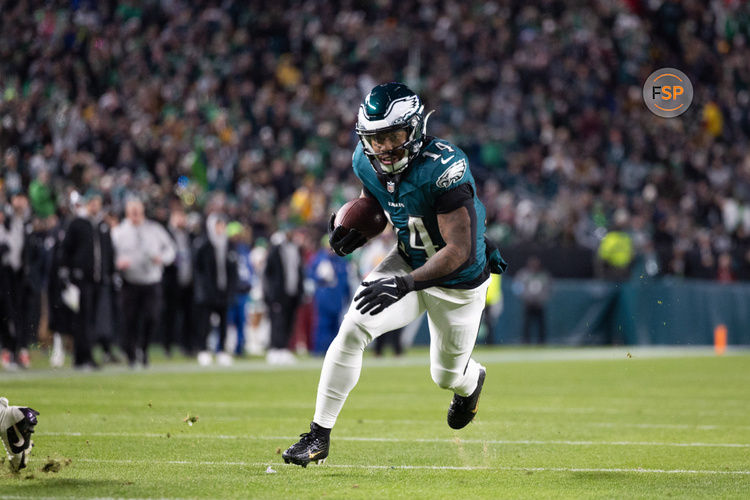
(445, 379)
(352, 336)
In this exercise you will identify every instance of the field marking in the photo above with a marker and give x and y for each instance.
(505, 410)
(428, 467)
(615, 411)
(224, 418)
(484, 356)
(400, 440)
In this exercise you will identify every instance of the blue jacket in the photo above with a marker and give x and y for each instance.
(329, 274)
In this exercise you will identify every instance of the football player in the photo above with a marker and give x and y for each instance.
(16, 427)
(441, 263)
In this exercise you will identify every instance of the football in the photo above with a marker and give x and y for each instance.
(364, 215)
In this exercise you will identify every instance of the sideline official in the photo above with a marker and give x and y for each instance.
(143, 247)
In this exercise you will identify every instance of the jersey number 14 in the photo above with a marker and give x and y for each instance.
(419, 238)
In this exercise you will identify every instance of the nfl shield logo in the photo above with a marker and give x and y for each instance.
(391, 186)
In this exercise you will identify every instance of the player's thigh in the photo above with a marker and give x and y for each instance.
(454, 317)
(398, 314)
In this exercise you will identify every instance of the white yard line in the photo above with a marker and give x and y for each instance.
(398, 440)
(707, 427)
(484, 356)
(426, 467)
(494, 422)
(628, 412)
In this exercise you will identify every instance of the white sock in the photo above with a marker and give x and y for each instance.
(340, 373)
(468, 383)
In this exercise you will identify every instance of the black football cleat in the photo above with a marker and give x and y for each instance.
(16, 427)
(313, 447)
(464, 408)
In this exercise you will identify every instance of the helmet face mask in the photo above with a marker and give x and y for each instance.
(390, 159)
(392, 116)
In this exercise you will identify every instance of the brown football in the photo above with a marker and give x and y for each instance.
(362, 214)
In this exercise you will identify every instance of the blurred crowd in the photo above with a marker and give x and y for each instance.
(195, 283)
(247, 109)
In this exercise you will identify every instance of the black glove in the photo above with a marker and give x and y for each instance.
(497, 264)
(381, 293)
(344, 241)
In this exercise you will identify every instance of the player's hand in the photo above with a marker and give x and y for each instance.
(344, 241)
(381, 293)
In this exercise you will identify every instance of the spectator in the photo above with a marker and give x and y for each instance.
(60, 317)
(259, 328)
(41, 195)
(283, 282)
(6, 330)
(534, 285)
(724, 272)
(215, 285)
(615, 254)
(332, 293)
(493, 308)
(142, 248)
(35, 274)
(87, 260)
(177, 289)
(301, 340)
(701, 259)
(239, 241)
(17, 226)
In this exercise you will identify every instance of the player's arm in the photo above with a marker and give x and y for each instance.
(457, 224)
(456, 230)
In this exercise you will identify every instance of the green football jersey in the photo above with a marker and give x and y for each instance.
(410, 206)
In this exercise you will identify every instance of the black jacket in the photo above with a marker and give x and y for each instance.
(206, 290)
(274, 289)
(170, 279)
(36, 255)
(87, 251)
(59, 314)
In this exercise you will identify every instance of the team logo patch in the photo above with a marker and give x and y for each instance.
(452, 174)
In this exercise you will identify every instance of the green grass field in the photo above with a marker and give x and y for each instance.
(559, 423)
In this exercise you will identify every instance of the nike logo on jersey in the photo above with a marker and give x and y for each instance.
(446, 160)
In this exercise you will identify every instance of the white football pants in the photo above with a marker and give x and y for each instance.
(453, 317)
